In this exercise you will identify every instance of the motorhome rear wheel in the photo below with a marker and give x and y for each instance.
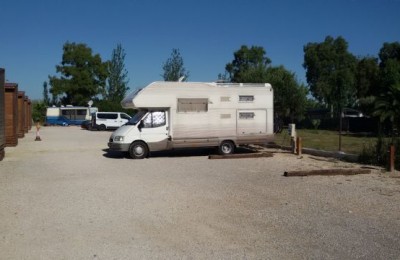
(226, 147)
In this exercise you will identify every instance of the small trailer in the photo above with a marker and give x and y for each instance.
(69, 115)
(195, 114)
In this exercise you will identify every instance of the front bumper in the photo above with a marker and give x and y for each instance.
(118, 146)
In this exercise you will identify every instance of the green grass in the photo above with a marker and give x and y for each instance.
(327, 140)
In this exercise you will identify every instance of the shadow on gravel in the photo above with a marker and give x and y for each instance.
(190, 152)
(115, 155)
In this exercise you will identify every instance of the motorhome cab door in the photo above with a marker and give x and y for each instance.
(154, 130)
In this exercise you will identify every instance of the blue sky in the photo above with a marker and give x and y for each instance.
(206, 32)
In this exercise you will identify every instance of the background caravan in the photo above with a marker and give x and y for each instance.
(69, 115)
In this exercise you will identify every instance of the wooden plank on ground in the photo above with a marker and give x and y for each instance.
(240, 156)
(327, 172)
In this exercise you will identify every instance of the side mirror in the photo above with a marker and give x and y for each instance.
(140, 125)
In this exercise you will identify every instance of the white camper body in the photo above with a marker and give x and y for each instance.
(189, 114)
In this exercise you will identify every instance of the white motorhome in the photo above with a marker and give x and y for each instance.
(189, 114)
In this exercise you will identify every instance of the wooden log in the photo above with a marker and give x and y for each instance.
(240, 156)
(327, 172)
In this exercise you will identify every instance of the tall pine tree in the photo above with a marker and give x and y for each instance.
(118, 76)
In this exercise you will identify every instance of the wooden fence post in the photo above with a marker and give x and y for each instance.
(299, 146)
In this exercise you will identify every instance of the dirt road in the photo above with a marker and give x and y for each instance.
(66, 197)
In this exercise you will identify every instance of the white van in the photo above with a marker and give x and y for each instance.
(109, 120)
(195, 114)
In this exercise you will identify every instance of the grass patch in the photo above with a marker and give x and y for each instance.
(327, 140)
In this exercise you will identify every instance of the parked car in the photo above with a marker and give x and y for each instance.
(87, 124)
(350, 112)
(109, 120)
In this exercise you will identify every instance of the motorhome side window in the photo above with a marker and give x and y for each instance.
(81, 114)
(192, 105)
(246, 98)
(154, 119)
(246, 115)
(70, 114)
(65, 112)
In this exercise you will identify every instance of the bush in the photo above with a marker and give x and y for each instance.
(378, 154)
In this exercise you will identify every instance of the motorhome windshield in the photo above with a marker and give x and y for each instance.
(136, 118)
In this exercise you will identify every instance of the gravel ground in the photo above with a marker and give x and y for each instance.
(66, 197)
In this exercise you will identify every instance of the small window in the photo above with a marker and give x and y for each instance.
(192, 105)
(99, 115)
(81, 112)
(154, 119)
(65, 112)
(113, 116)
(107, 116)
(70, 114)
(246, 115)
(246, 98)
(125, 116)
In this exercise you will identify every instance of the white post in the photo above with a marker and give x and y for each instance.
(37, 132)
(293, 135)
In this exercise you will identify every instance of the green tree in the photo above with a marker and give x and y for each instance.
(117, 76)
(249, 65)
(367, 83)
(46, 99)
(389, 65)
(290, 97)
(389, 51)
(330, 72)
(54, 99)
(39, 111)
(83, 75)
(222, 77)
(387, 105)
(367, 77)
(174, 68)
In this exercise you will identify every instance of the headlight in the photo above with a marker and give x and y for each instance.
(118, 138)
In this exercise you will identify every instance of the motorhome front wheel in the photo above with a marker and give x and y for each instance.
(138, 150)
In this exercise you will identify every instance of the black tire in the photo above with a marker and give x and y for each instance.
(101, 128)
(226, 147)
(138, 150)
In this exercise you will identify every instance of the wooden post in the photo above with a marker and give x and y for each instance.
(391, 158)
(299, 146)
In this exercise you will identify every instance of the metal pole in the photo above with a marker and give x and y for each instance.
(340, 129)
